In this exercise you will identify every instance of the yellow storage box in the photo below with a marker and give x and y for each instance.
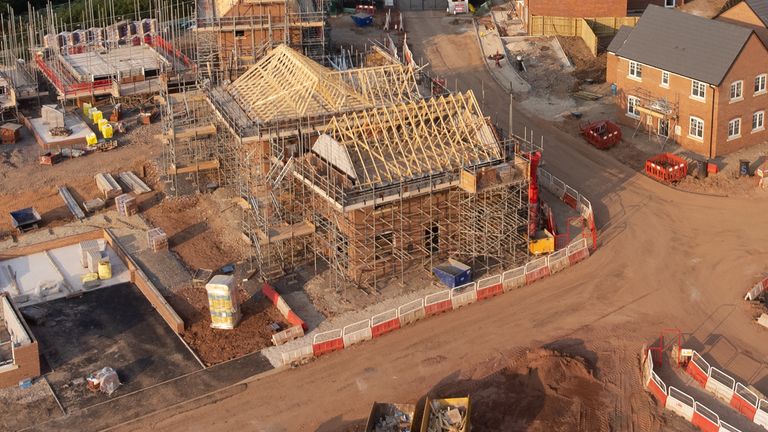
(107, 131)
(91, 139)
(102, 122)
(96, 116)
(105, 269)
(87, 109)
(223, 302)
(542, 243)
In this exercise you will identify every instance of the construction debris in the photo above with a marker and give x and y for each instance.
(447, 415)
(390, 417)
(157, 240)
(134, 183)
(104, 380)
(108, 186)
(95, 204)
(74, 208)
(60, 131)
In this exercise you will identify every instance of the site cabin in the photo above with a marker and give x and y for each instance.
(664, 90)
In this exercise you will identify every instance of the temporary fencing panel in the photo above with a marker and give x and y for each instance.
(756, 290)
(384, 323)
(357, 332)
(761, 414)
(680, 403)
(437, 303)
(411, 312)
(571, 197)
(463, 295)
(705, 419)
(698, 368)
(720, 385)
(298, 354)
(326, 342)
(744, 401)
(536, 270)
(489, 287)
(725, 427)
(658, 388)
(558, 261)
(514, 278)
(577, 251)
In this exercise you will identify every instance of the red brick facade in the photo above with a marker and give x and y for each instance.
(716, 110)
(27, 362)
(577, 8)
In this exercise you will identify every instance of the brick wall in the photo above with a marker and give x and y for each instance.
(28, 365)
(640, 5)
(678, 91)
(753, 61)
(578, 8)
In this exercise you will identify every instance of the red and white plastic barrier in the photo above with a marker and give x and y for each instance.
(757, 290)
(437, 303)
(489, 287)
(463, 295)
(680, 402)
(535, 270)
(384, 323)
(446, 300)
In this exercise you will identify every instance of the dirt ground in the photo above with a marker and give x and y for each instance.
(545, 70)
(202, 229)
(34, 403)
(25, 183)
(587, 66)
(214, 346)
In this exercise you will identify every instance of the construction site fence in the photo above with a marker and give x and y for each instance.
(451, 299)
(590, 30)
(573, 199)
(757, 290)
(713, 380)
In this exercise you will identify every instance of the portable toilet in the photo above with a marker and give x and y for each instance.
(223, 302)
(107, 131)
(91, 139)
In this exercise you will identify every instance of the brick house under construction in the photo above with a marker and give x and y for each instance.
(233, 35)
(356, 168)
(698, 82)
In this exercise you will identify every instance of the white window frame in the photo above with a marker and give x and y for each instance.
(736, 91)
(701, 86)
(690, 128)
(664, 82)
(761, 79)
(761, 126)
(670, 4)
(734, 128)
(630, 105)
(635, 71)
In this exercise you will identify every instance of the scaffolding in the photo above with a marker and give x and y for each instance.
(658, 115)
(230, 37)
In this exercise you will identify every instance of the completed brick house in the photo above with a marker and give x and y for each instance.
(586, 8)
(698, 82)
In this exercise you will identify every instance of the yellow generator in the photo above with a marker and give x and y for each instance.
(542, 243)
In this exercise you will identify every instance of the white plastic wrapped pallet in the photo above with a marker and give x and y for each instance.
(223, 302)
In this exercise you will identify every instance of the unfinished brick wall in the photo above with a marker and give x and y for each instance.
(27, 360)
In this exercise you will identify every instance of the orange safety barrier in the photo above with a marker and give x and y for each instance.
(490, 291)
(705, 419)
(288, 313)
(385, 327)
(743, 406)
(321, 348)
(666, 168)
(438, 307)
(697, 373)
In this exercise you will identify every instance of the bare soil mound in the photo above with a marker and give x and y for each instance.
(538, 390)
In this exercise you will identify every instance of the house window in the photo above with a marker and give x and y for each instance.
(698, 90)
(760, 84)
(635, 70)
(239, 33)
(384, 244)
(664, 79)
(734, 128)
(696, 129)
(758, 121)
(632, 104)
(737, 92)
(669, 3)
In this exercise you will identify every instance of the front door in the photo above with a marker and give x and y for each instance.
(663, 127)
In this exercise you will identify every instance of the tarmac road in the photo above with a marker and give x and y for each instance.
(666, 259)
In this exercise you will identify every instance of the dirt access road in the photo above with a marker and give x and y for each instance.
(666, 259)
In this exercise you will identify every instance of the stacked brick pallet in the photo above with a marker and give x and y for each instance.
(126, 205)
(157, 240)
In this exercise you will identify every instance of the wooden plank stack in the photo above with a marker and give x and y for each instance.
(108, 186)
(157, 239)
(126, 205)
